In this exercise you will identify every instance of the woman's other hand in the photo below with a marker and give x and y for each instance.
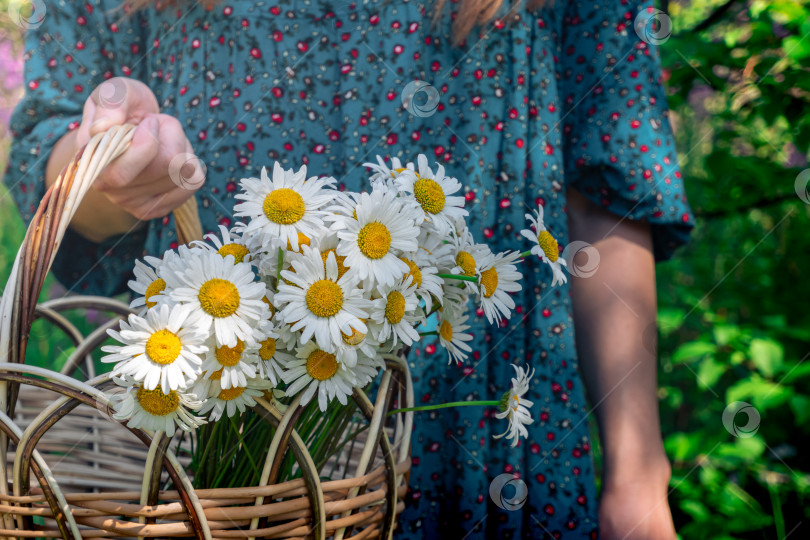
(614, 311)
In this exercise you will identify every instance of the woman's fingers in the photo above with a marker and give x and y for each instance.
(114, 102)
(151, 206)
(175, 159)
(143, 149)
(163, 204)
(157, 173)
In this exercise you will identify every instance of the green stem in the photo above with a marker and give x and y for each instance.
(473, 279)
(434, 310)
(280, 264)
(778, 518)
(433, 333)
(486, 403)
(525, 254)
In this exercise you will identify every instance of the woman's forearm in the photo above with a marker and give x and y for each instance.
(614, 314)
(97, 218)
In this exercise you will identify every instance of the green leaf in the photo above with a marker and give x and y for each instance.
(761, 393)
(692, 350)
(801, 408)
(710, 371)
(795, 48)
(725, 333)
(768, 355)
(696, 509)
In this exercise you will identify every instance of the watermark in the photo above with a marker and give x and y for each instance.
(653, 26)
(415, 103)
(27, 14)
(496, 492)
(578, 267)
(187, 171)
(731, 419)
(801, 186)
(112, 93)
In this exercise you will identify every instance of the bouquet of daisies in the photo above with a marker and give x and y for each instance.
(304, 297)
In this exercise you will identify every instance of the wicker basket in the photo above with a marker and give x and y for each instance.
(69, 470)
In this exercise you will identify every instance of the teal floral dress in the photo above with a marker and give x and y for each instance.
(568, 95)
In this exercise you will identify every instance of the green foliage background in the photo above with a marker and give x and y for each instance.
(733, 318)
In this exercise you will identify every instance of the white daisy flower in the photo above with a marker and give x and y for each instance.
(435, 250)
(223, 293)
(152, 282)
(468, 256)
(159, 349)
(328, 243)
(433, 193)
(515, 407)
(546, 246)
(272, 354)
(231, 243)
(229, 401)
(366, 369)
(155, 410)
(315, 370)
(234, 365)
(498, 277)
(357, 343)
(374, 240)
(288, 204)
(423, 274)
(456, 295)
(452, 335)
(147, 283)
(382, 175)
(319, 303)
(396, 312)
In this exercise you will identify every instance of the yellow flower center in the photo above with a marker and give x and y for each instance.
(321, 365)
(284, 206)
(398, 171)
(489, 281)
(231, 393)
(374, 240)
(268, 349)
(219, 297)
(549, 246)
(338, 258)
(216, 375)
(163, 347)
(156, 403)
(395, 307)
(237, 250)
(446, 331)
(324, 298)
(156, 287)
(230, 356)
(414, 272)
(356, 338)
(466, 262)
(429, 194)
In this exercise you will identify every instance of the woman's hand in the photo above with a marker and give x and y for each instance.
(635, 505)
(614, 317)
(155, 175)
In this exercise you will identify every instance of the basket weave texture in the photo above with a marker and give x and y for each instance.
(71, 471)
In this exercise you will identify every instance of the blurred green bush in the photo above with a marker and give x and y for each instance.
(733, 318)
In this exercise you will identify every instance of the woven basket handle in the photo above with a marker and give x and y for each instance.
(47, 229)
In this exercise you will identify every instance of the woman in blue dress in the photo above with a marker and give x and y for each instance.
(559, 104)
